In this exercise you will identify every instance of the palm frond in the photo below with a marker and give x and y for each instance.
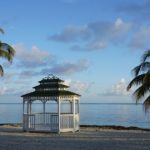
(136, 81)
(136, 70)
(140, 92)
(5, 54)
(1, 30)
(146, 55)
(145, 66)
(146, 79)
(1, 71)
(142, 79)
(7, 51)
(147, 104)
(10, 50)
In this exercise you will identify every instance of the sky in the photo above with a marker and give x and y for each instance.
(91, 44)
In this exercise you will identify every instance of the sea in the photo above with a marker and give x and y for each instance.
(128, 115)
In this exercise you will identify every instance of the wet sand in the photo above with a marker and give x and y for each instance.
(89, 138)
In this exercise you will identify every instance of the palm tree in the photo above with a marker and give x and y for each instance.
(6, 51)
(142, 80)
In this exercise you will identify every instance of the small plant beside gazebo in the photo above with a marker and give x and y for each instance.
(51, 88)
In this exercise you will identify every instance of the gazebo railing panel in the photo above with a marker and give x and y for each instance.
(41, 122)
(54, 122)
(46, 121)
(66, 121)
(50, 122)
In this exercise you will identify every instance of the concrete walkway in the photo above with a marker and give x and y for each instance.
(12, 138)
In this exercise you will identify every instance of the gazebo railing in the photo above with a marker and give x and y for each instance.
(49, 122)
(41, 122)
(67, 123)
(28, 121)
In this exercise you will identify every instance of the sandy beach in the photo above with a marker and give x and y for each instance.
(89, 138)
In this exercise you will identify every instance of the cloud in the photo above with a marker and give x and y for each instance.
(91, 46)
(94, 36)
(71, 34)
(95, 45)
(68, 68)
(30, 64)
(11, 83)
(131, 7)
(140, 39)
(33, 57)
(109, 30)
(8, 75)
(118, 89)
(79, 86)
(26, 64)
(26, 74)
(139, 9)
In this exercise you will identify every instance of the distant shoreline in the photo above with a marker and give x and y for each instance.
(96, 127)
(87, 103)
(114, 127)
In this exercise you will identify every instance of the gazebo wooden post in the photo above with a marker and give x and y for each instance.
(78, 113)
(71, 107)
(78, 107)
(27, 107)
(59, 103)
(27, 115)
(23, 115)
(30, 107)
(44, 110)
(23, 106)
(73, 115)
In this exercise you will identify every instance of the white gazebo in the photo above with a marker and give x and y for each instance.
(51, 88)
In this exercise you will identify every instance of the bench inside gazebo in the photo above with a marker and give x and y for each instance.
(50, 89)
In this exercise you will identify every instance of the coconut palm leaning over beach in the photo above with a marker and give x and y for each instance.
(142, 80)
(6, 51)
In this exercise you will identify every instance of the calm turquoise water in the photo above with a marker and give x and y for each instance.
(90, 114)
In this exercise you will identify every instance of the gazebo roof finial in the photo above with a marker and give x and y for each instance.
(51, 76)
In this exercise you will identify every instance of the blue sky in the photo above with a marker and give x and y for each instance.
(93, 45)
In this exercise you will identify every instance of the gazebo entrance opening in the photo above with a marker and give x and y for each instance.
(60, 108)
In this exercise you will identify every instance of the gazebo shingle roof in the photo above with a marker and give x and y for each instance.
(49, 93)
(50, 86)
